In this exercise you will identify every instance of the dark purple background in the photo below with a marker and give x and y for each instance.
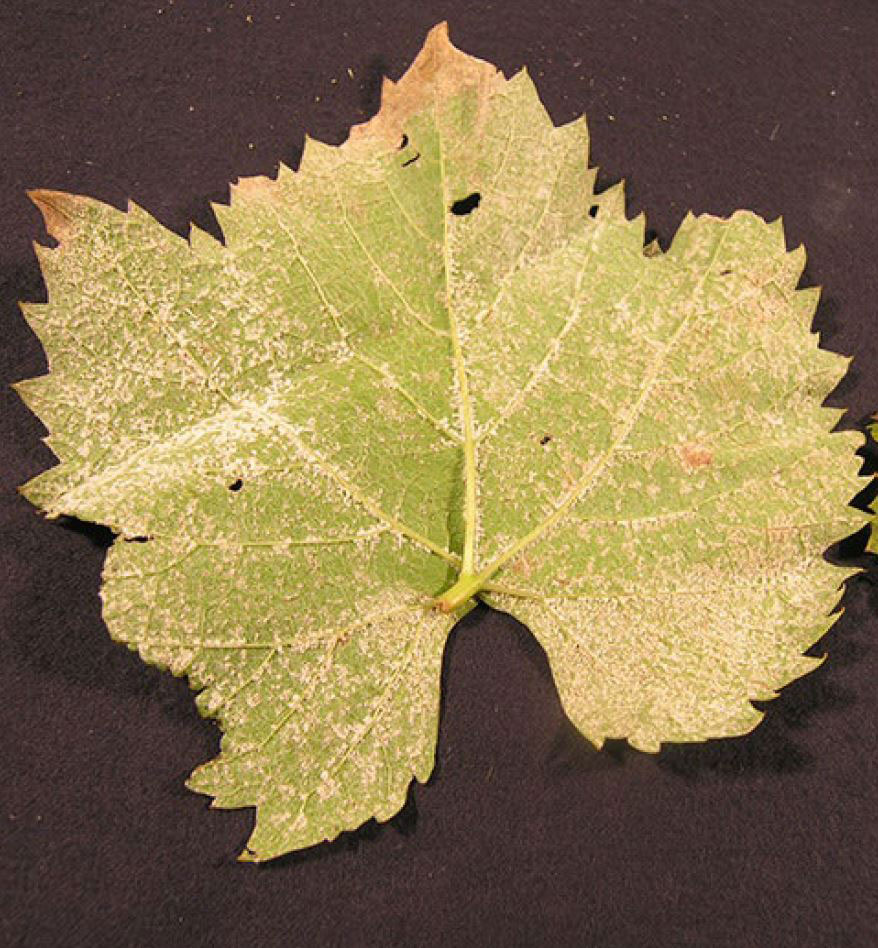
(524, 836)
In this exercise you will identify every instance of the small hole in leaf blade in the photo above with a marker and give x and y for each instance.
(593, 211)
(403, 141)
(545, 439)
(412, 160)
(236, 485)
(466, 205)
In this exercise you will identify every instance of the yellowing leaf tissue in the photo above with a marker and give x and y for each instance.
(431, 367)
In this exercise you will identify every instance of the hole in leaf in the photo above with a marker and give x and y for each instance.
(466, 205)
(137, 539)
(403, 141)
(545, 439)
(593, 211)
(412, 160)
(236, 485)
(725, 272)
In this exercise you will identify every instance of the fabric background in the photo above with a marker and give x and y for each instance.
(524, 835)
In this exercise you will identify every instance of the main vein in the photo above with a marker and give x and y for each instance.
(470, 513)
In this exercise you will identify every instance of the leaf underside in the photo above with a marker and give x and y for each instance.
(434, 360)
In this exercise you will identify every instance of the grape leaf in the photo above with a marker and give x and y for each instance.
(432, 366)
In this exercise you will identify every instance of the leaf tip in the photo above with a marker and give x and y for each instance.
(59, 210)
(439, 71)
(817, 660)
(437, 36)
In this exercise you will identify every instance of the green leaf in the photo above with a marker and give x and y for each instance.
(429, 366)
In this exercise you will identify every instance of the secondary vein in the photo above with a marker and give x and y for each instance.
(595, 470)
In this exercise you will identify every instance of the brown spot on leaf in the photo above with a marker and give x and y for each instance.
(521, 566)
(695, 456)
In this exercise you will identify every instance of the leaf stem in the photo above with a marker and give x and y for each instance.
(462, 591)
